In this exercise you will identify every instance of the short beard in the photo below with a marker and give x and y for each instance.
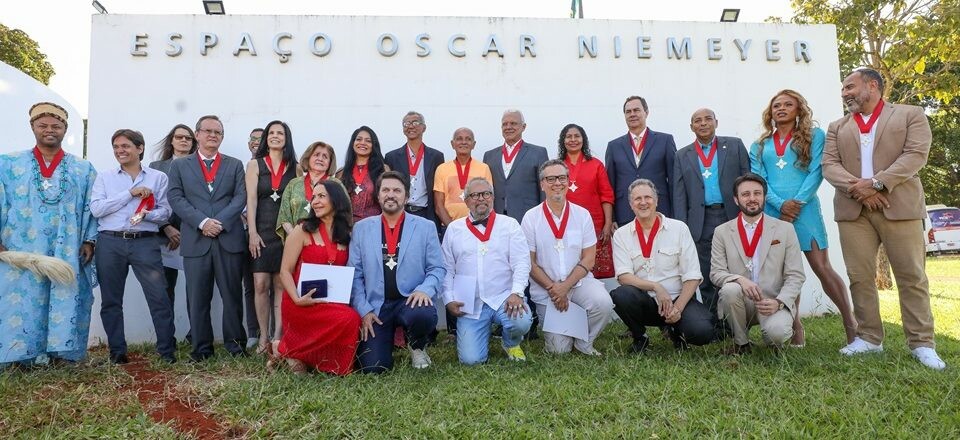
(749, 213)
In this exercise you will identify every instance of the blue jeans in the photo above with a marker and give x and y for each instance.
(473, 335)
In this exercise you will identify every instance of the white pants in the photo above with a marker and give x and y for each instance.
(594, 298)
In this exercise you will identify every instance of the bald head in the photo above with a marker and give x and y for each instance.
(463, 142)
(703, 123)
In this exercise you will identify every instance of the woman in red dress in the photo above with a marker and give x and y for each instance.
(318, 334)
(590, 188)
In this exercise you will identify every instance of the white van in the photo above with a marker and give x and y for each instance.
(942, 229)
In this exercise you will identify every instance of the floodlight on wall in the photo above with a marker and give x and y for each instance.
(213, 7)
(100, 9)
(730, 16)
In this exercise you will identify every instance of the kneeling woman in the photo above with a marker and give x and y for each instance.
(318, 334)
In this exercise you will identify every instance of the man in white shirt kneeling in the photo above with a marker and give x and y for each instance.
(488, 266)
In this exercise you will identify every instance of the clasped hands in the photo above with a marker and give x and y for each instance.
(765, 306)
(863, 191)
(665, 307)
(212, 228)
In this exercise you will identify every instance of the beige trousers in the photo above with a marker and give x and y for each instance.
(594, 298)
(741, 314)
(860, 241)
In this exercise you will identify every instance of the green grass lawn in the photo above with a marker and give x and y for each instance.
(813, 392)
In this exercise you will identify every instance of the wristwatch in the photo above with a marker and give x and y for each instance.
(780, 307)
(877, 185)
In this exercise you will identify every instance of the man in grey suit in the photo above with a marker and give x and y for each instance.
(703, 177)
(207, 192)
(516, 186)
(516, 182)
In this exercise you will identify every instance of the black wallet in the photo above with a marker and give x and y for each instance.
(320, 285)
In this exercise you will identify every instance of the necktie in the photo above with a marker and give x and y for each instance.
(209, 163)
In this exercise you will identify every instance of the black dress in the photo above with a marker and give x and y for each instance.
(267, 211)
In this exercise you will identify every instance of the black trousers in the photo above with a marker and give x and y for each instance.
(375, 355)
(712, 217)
(637, 310)
(249, 306)
(115, 256)
(226, 269)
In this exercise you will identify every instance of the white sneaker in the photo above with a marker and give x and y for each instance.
(859, 346)
(420, 359)
(928, 357)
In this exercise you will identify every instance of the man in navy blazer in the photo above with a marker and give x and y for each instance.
(424, 159)
(207, 191)
(641, 153)
(703, 181)
(398, 271)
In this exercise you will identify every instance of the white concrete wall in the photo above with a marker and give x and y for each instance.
(326, 98)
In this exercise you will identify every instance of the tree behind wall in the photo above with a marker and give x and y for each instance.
(915, 45)
(20, 51)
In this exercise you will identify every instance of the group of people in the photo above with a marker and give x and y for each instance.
(705, 241)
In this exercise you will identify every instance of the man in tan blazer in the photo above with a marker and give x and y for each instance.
(880, 200)
(757, 264)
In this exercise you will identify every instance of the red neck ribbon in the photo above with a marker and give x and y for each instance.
(308, 187)
(749, 246)
(462, 172)
(46, 171)
(483, 237)
(557, 232)
(646, 243)
(328, 245)
(704, 159)
(781, 147)
(865, 127)
(392, 234)
(574, 169)
(415, 165)
(208, 176)
(358, 172)
(509, 157)
(275, 177)
(638, 148)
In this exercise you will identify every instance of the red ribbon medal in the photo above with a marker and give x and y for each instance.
(637, 149)
(393, 237)
(45, 171)
(275, 177)
(704, 159)
(781, 147)
(749, 247)
(462, 173)
(509, 157)
(329, 247)
(557, 231)
(646, 243)
(415, 165)
(208, 176)
(865, 127)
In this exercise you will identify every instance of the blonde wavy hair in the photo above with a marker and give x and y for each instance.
(802, 131)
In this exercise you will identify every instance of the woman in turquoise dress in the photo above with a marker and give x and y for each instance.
(788, 156)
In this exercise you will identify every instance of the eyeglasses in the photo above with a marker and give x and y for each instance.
(214, 133)
(183, 137)
(480, 195)
(555, 179)
(412, 123)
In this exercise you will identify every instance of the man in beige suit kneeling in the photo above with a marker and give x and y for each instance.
(757, 264)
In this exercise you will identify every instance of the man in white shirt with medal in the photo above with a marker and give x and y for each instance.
(656, 263)
(562, 244)
(757, 265)
(488, 266)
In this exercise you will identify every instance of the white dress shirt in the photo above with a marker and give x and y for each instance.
(673, 256)
(557, 264)
(866, 149)
(418, 181)
(113, 205)
(510, 150)
(503, 269)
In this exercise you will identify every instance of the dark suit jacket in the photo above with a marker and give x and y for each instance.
(191, 201)
(688, 192)
(397, 161)
(515, 194)
(656, 164)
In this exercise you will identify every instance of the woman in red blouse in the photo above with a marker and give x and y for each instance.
(589, 188)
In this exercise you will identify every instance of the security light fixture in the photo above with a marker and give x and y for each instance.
(213, 7)
(100, 9)
(730, 16)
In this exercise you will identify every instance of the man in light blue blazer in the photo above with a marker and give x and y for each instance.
(399, 270)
